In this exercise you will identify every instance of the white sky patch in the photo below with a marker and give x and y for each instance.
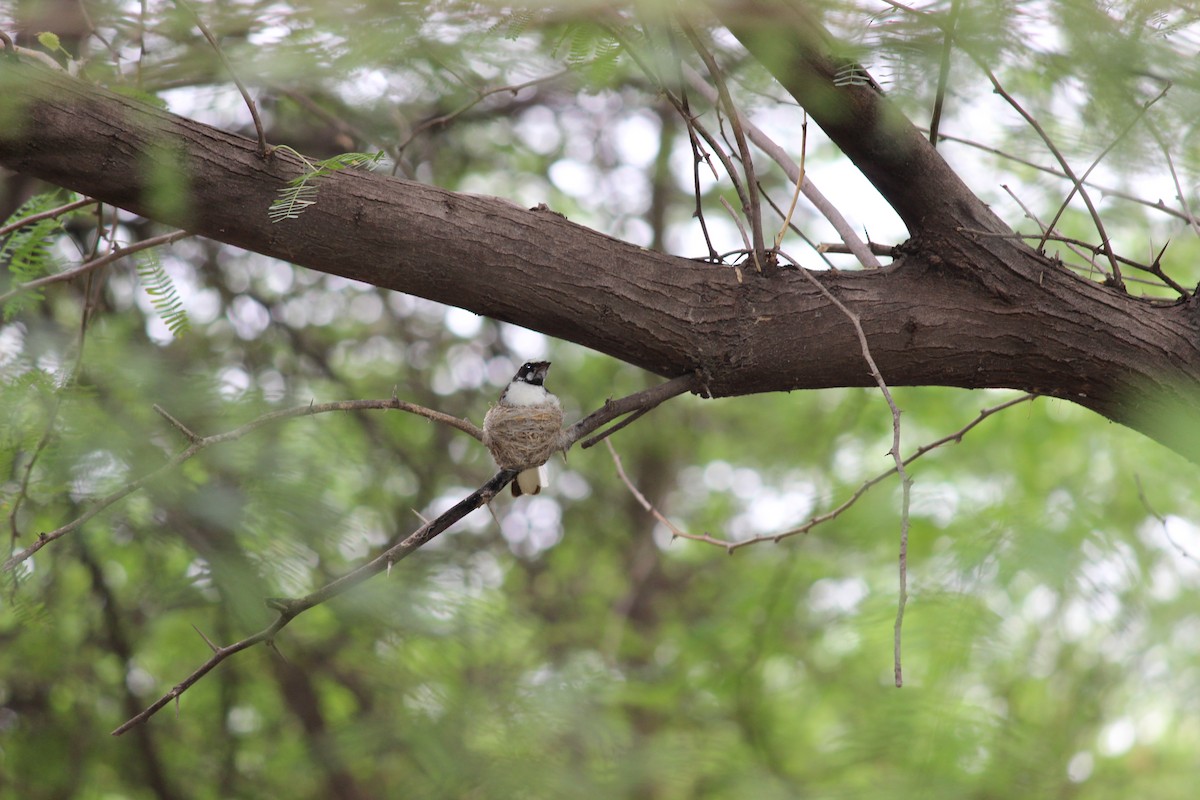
(538, 130)
(837, 596)
(574, 178)
(523, 343)
(637, 139)
(463, 324)
(232, 382)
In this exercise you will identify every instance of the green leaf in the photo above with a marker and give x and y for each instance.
(300, 193)
(26, 252)
(162, 293)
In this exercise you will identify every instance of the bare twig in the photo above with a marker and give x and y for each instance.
(817, 248)
(1183, 551)
(875, 247)
(289, 609)
(480, 96)
(96, 263)
(935, 120)
(905, 481)
(694, 128)
(787, 220)
(844, 229)
(750, 205)
(819, 519)
(263, 148)
(1107, 191)
(1182, 195)
(1078, 187)
(53, 212)
(638, 402)
(1115, 278)
(748, 247)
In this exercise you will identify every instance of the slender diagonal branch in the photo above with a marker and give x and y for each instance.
(1066, 168)
(1079, 184)
(935, 119)
(263, 148)
(95, 263)
(905, 480)
(53, 212)
(290, 608)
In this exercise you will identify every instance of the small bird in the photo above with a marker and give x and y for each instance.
(527, 390)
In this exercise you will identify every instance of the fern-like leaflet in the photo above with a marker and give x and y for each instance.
(161, 289)
(300, 193)
(27, 250)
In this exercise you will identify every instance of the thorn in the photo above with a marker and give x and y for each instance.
(275, 648)
(207, 641)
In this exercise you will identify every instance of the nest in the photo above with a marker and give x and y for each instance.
(523, 437)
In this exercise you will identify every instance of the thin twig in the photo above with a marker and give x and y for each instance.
(935, 119)
(817, 248)
(905, 481)
(694, 127)
(1066, 168)
(1183, 551)
(1079, 183)
(96, 263)
(1107, 191)
(1179, 193)
(749, 248)
(816, 520)
(750, 205)
(54, 212)
(787, 220)
(263, 148)
(480, 96)
(790, 168)
(289, 609)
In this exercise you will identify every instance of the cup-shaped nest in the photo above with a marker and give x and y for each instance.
(522, 437)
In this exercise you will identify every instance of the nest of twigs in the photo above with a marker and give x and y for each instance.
(522, 437)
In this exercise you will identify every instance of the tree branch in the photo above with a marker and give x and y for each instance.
(955, 309)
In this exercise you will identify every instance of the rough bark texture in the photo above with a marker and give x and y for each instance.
(957, 309)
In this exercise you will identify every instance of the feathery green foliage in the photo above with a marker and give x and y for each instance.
(161, 289)
(27, 250)
(301, 192)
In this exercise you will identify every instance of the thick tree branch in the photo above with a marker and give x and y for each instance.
(955, 309)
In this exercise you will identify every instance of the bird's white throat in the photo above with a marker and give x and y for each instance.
(526, 394)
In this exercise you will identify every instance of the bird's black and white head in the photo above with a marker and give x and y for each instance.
(527, 387)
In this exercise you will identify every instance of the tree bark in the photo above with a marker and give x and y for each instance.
(963, 306)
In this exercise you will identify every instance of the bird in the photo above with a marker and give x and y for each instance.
(525, 392)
